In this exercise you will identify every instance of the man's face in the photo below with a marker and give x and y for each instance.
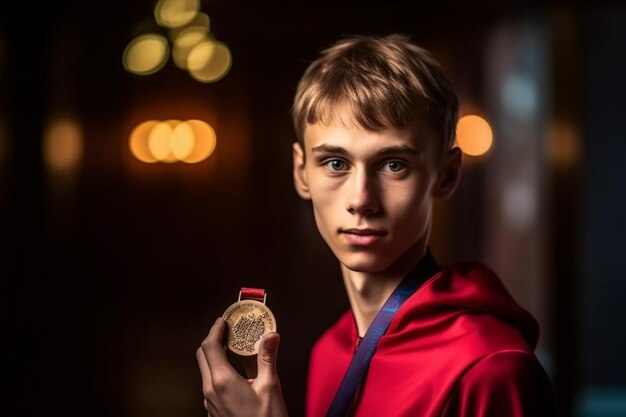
(371, 191)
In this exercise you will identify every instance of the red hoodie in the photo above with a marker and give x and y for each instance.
(459, 346)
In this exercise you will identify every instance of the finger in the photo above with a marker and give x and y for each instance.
(205, 372)
(266, 359)
(210, 397)
(207, 382)
(215, 356)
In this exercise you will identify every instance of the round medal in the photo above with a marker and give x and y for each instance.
(248, 321)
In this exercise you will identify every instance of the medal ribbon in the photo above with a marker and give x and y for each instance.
(344, 397)
(253, 293)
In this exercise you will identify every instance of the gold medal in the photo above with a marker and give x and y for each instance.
(248, 320)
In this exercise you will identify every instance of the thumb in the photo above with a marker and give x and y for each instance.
(266, 359)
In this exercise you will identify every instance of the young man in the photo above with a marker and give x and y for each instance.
(376, 121)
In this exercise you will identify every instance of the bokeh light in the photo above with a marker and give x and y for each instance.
(205, 141)
(182, 141)
(519, 203)
(201, 23)
(172, 140)
(139, 141)
(191, 44)
(184, 42)
(201, 54)
(160, 141)
(473, 135)
(63, 145)
(564, 147)
(175, 13)
(519, 95)
(209, 61)
(146, 54)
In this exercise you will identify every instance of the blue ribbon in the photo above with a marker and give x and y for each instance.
(344, 397)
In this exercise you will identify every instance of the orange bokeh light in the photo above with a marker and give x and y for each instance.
(139, 141)
(63, 145)
(172, 140)
(473, 135)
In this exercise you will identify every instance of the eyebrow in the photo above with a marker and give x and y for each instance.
(402, 149)
(324, 148)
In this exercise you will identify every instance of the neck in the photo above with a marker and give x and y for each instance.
(368, 291)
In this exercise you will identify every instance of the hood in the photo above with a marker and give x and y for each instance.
(464, 288)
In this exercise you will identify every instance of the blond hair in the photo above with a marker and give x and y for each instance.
(388, 82)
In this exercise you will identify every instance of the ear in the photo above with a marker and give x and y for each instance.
(449, 174)
(299, 172)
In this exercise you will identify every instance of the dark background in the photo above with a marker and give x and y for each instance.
(114, 274)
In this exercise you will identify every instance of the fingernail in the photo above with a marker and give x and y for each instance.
(218, 319)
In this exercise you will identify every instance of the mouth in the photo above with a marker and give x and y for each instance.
(362, 237)
(364, 232)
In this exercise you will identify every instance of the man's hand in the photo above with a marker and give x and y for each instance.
(228, 394)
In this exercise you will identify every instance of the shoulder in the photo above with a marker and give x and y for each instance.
(476, 290)
(504, 367)
(472, 273)
(507, 382)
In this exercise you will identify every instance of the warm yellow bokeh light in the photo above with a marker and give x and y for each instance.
(173, 140)
(63, 145)
(146, 54)
(201, 55)
(205, 141)
(209, 61)
(160, 141)
(184, 42)
(175, 13)
(139, 141)
(182, 141)
(201, 22)
(473, 135)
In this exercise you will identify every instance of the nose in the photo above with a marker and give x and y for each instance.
(363, 197)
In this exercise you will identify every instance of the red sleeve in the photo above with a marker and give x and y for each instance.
(507, 383)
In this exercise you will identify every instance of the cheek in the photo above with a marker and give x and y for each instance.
(323, 211)
(409, 207)
(324, 195)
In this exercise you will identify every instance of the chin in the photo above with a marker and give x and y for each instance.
(367, 264)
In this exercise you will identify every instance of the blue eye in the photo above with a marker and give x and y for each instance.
(336, 165)
(394, 166)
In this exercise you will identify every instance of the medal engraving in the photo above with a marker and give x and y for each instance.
(248, 321)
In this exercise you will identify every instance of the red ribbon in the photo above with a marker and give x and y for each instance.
(253, 293)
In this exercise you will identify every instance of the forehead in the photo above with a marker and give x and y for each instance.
(340, 128)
